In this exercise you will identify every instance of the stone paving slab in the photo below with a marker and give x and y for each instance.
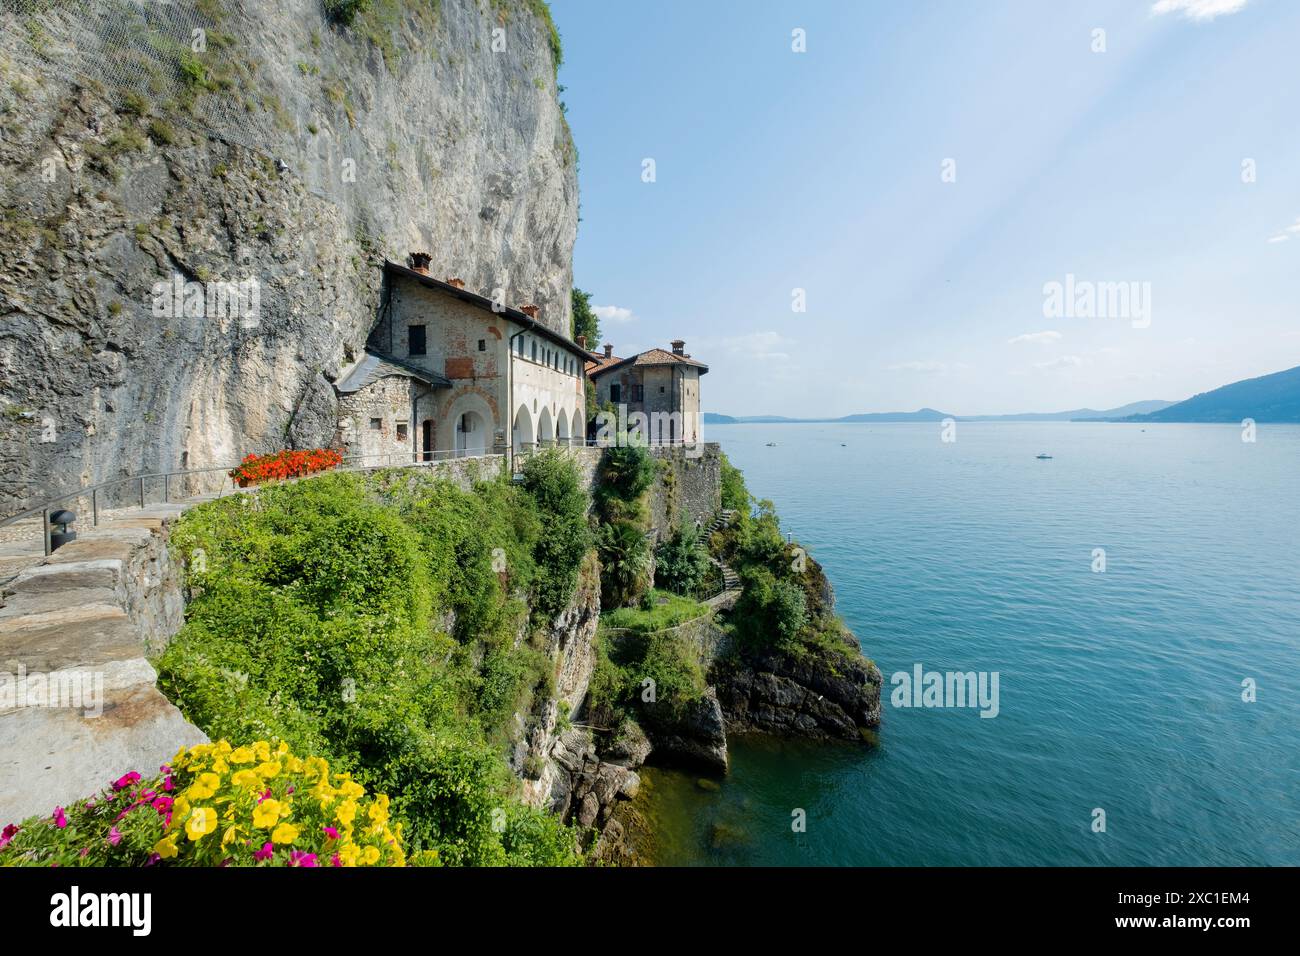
(52, 756)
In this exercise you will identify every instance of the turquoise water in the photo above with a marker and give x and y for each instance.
(1118, 690)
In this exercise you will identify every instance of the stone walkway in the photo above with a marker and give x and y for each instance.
(78, 701)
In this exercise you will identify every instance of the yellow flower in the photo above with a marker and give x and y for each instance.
(379, 809)
(293, 764)
(201, 821)
(204, 787)
(349, 854)
(229, 836)
(317, 767)
(166, 847)
(266, 813)
(269, 769)
(346, 812)
(246, 778)
(371, 856)
(284, 833)
(241, 755)
(350, 788)
(262, 749)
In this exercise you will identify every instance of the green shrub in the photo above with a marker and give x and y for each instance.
(681, 563)
(735, 496)
(626, 471)
(314, 619)
(552, 480)
(346, 11)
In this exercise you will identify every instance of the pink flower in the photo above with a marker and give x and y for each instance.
(335, 861)
(60, 819)
(114, 836)
(153, 858)
(167, 783)
(265, 796)
(84, 851)
(163, 805)
(331, 832)
(7, 834)
(299, 858)
(265, 853)
(126, 780)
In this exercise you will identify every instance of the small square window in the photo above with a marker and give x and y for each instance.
(415, 340)
(482, 345)
(401, 432)
(376, 424)
(661, 389)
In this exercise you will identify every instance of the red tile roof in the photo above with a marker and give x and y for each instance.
(648, 357)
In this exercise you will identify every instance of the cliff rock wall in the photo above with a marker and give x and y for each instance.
(291, 150)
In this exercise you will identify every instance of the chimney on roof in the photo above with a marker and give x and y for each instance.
(529, 310)
(420, 262)
(458, 283)
(679, 346)
(582, 342)
(609, 350)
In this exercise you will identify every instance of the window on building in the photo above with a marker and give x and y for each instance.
(661, 389)
(616, 393)
(401, 432)
(376, 424)
(482, 345)
(415, 340)
(534, 351)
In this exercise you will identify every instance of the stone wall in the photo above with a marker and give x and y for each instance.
(689, 486)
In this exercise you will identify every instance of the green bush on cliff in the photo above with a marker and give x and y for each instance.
(316, 617)
(553, 482)
(681, 564)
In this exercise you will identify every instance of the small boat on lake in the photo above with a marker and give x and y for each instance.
(1044, 457)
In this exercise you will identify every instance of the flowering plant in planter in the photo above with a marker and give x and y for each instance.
(217, 805)
(255, 469)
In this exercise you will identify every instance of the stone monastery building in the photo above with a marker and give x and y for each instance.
(447, 372)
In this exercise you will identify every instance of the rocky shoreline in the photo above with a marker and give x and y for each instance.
(589, 774)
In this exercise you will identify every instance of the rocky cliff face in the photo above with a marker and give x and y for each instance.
(292, 151)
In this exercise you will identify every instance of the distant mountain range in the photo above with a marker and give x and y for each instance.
(1269, 398)
(931, 415)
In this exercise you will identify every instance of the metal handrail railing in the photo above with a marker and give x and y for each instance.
(46, 508)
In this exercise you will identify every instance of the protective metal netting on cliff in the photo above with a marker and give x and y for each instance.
(173, 59)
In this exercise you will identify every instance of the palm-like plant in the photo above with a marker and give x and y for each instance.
(625, 563)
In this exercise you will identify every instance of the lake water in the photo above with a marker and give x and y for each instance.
(1119, 690)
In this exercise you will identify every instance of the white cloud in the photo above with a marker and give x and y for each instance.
(1295, 227)
(927, 368)
(613, 313)
(1197, 9)
(1281, 238)
(763, 346)
(1038, 338)
(1065, 361)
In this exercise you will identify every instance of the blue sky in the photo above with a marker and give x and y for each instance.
(824, 171)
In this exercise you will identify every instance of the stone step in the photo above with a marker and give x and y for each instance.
(88, 636)
(53, 756)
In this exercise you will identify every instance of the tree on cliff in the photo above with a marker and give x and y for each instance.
(585, 321)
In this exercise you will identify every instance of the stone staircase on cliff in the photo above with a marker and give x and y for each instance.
(730, 579)
(78, 701)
